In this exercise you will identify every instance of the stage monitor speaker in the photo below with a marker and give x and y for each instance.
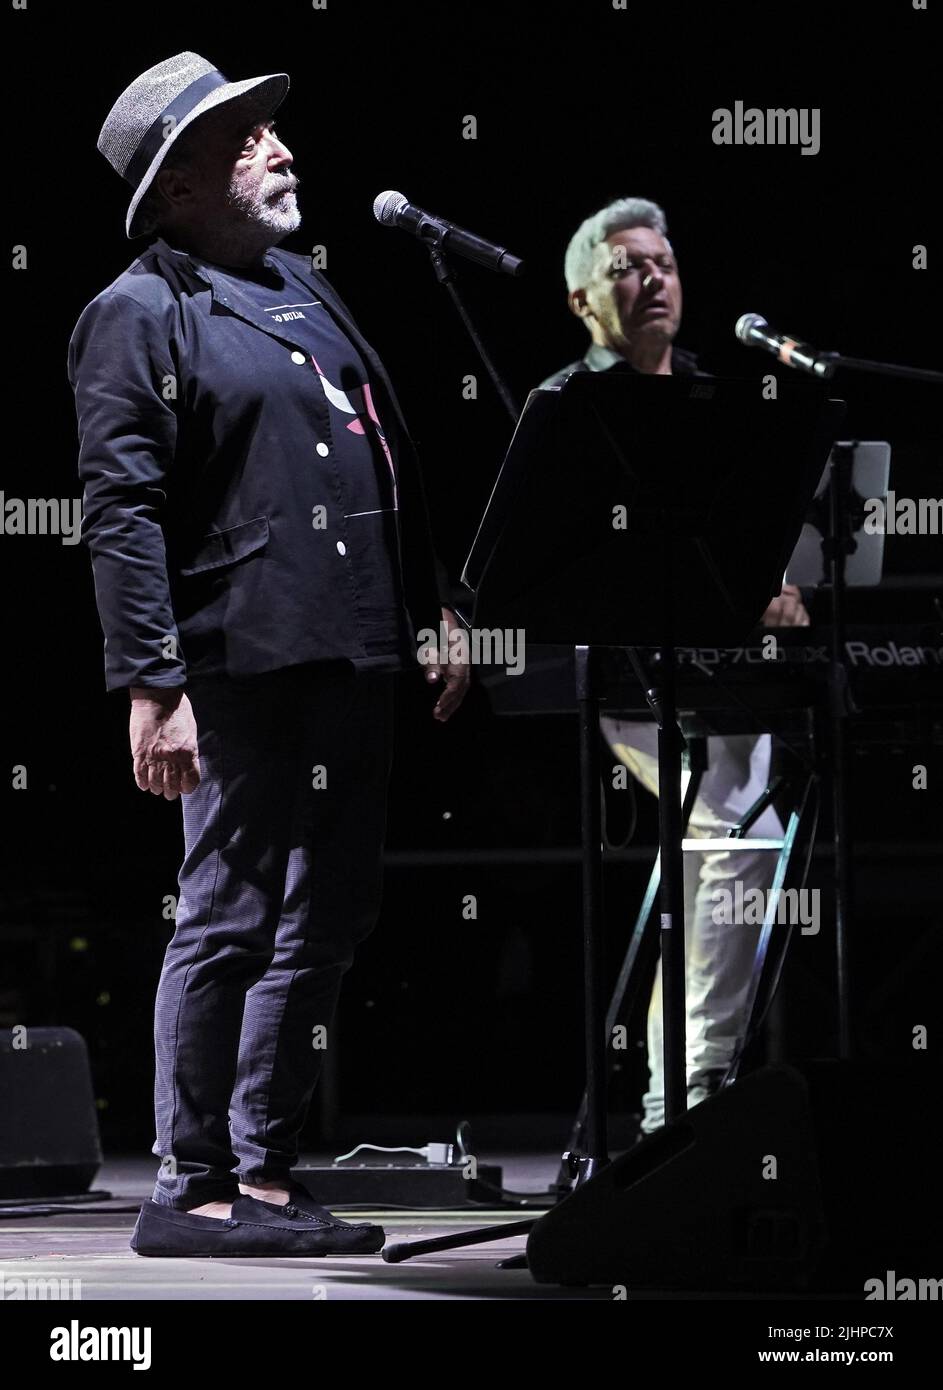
(49, 1142)
(816, 1176)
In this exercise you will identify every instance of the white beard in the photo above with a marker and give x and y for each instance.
(259, 207)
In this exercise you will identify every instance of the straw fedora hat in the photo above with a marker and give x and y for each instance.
(160, 105)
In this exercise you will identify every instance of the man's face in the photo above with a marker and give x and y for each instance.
(634, 294)
(241, 172)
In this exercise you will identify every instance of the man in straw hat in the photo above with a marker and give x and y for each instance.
(262, 564)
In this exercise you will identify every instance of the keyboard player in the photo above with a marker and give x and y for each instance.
(622, 280)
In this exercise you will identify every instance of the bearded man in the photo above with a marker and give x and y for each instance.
(262, 564)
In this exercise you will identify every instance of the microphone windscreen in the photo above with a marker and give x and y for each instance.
(747, 321)
(387, 205)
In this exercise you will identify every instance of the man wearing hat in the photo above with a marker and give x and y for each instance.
(262, 562)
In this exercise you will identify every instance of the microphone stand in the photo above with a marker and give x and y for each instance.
(837, 546)
(834, 360)
(446, 276)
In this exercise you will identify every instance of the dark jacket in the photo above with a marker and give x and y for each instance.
(600, 359)
(194, 428)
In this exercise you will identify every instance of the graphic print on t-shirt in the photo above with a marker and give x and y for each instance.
(358, 402)
(357, 399)
(350, 462)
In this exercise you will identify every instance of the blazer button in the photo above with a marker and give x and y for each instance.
(341, 548)
(322, 449)
(299, 357)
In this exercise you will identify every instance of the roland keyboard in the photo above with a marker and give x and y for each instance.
(895, 672)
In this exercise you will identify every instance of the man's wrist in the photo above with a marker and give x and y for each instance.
(157, 694)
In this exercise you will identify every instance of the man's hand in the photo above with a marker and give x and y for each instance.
(164, 742)
(455, 674)
(786, 611)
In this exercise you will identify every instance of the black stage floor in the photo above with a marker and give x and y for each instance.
(92, 1246)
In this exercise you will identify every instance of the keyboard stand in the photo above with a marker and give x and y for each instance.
(637, 959)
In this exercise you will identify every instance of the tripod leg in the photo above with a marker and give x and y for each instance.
(795, 823)
(596, 1148)
(670, 744)
(565, 1174)
(750, 817)
(622, 999)
(405, 1249)
(628, 984)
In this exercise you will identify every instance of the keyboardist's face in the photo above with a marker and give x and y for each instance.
(635, 293)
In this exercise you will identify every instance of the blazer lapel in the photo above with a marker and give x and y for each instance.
(226, 292)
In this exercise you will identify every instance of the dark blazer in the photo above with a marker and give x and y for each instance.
(195, 426)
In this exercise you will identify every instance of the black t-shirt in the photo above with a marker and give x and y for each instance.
(358, 457)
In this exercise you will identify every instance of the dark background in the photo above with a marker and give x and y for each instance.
(576, 104)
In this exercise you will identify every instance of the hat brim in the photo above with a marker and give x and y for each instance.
(269, 93)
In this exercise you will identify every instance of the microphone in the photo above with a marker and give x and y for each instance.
(393, 209)
(754, 331)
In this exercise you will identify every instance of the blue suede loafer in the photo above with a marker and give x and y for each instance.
(254, 1228)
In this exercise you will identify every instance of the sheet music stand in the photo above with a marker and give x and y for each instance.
(635, 511)
(641, 511)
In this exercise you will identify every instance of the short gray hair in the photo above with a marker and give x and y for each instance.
(617, 217)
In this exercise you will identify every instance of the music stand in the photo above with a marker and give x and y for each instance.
(641, 511)
(836, 548)
(869, 476)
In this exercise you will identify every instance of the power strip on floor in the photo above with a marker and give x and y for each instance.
(425, 1185)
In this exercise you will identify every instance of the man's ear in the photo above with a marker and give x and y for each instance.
(175, 184)
(578, 304)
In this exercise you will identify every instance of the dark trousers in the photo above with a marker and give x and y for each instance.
(281, 880)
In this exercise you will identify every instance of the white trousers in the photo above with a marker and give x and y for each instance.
(718, 958)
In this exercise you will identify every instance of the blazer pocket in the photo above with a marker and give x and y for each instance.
(226, 547)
